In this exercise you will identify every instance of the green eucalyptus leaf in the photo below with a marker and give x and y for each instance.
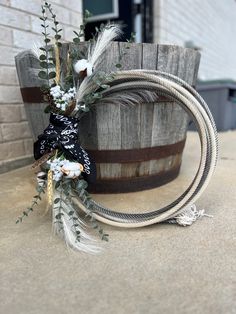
(77, 34)
(59, 215)
(52, 75)
(105, 238)
(57, 37)
(44, 88)
(42, 75)
(47, 109)
(42, 57)
(57, 200)
(44, 64)
(76, 40)
(82, 184)
(57, 184)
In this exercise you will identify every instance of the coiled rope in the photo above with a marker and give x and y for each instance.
(183, 94)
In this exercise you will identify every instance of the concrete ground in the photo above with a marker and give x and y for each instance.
(158, 269)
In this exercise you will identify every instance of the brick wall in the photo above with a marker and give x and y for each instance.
(19, 28)
(210, 24)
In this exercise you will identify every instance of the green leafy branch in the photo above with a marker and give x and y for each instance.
(85, 197)
(80, 34)
(40, 189)
(45, 58)
(64, 188)
(56, 29)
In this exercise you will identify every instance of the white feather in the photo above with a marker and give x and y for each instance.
(108, 34)
(64, 228)
(95, 50)
(35, 49)
(130, 97)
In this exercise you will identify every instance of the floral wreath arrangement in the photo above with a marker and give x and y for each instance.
(67, 169)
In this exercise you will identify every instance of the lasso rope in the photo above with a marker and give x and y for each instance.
(183, 94)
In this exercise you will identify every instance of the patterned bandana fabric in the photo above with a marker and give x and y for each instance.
(62, 133)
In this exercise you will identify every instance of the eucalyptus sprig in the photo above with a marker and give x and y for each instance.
(45, 58)
(58, 44)
(56, 28)
(81, 34)
(80, 190)
(40, 189)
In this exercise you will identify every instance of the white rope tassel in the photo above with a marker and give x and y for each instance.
(189, 216)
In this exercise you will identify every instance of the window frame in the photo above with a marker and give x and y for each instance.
(107, 16)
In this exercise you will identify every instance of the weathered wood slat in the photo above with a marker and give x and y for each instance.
(27, 69)
(109, 117)
(149, 62)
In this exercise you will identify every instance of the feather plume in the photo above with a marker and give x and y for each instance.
(35, 49)
(96, 49)
(108, 34)
(63, 226)
(130, 97)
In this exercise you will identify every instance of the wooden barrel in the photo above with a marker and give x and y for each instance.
(135, 147)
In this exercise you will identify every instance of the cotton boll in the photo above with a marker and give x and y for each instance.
(72, 169)
(82, 65)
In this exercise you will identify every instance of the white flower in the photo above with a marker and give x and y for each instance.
(62, 98)
(65, 167)
(56, 91)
